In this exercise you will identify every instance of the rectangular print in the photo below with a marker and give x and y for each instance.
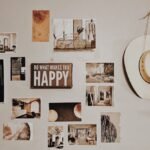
(17, 131)
(7, 42)
(74, 34)
(82, 134)
(26, 108)
(110, 127)
(64, 112)
(55, 137)
(99, 72)
(51, 75)
(40, 25)
(99, 95)
(18, 65)
(1, 81)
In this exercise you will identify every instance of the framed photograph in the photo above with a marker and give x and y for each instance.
(51, 75)
(18, 68)
(74, 34)
(26, 108)
(82, 134)
(17, 131)
(1, 81)
(110, 127)
(99, 72)
(99, 95)
(7, 42)
(64, 112)
(40, 25)
(55, 137)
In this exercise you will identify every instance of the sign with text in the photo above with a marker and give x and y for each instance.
(51, 75)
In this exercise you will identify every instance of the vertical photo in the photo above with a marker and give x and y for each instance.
(18, 68)
(100, 72)
(74, 34)
(55, 137)
(1, 81)
(110, 127)
(26, 108)
(40, 25)
(17, 131)
(7, 42)
(64, 112)
(99, 95)
(82, 134)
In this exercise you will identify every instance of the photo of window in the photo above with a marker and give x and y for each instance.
(100, 72)
(7, 42)
(18, 68)
(1, 81)
(74, 34)
(55, 137)
(99, 95)
(26, 108)
(82, 134)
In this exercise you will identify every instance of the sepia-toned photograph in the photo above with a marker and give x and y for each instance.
(7, 42)
(99, 95)
(40, 25)
(17, 131)
(74, 34)
(18, 68)
(110, 127)
(1, 81)
(82, 134)
(55, 137)
(64, 112)
(26, 108)
(100, 72)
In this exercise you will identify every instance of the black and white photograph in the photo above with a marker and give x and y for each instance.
(82, 134)
(26, 108)
(65, 112)
(99, 95)
(74, 34)
(110, 127)
(99, 72)
(17, 131)
(7, 42)
(1, 81)
(55, 137)
(18, 68)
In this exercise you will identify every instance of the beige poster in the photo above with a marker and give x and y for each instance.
(40, 25)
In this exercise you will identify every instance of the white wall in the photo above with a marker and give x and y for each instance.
(117, 24)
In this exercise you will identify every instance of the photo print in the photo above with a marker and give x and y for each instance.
(74, 34)
(26, 108)
(100, 72)
(40, 25)
(55, 137)
(64, 112)
(82, 134)
(1, 81)
(18, 68)
(7, 42)
(17, 131)
(99, 95)
(110, 127)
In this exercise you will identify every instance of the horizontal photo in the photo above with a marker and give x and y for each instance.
(17, 131)
(26, 108)
(74, 34)
(55, 137)
(7, 42)
(99, 95)
(100, 72)
(64, 112)
(82, 134)
(110, 127)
